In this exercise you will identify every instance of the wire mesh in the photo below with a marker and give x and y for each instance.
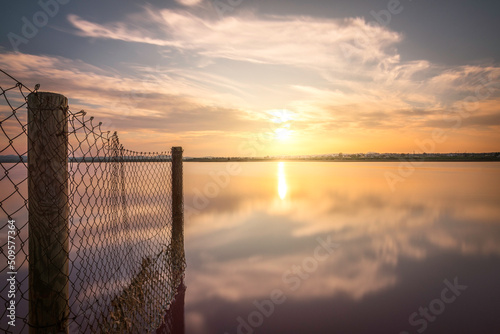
(13, 200)
(122, 269)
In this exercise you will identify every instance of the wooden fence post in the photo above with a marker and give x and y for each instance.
(177, 213)
(48, 213)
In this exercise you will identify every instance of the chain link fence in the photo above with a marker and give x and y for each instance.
(98, 238)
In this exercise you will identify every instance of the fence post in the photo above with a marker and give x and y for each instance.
(48, 213)
(177, 213)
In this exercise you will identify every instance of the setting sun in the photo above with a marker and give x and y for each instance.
(282, 134)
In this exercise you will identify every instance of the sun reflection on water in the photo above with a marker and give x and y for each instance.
(282, 186)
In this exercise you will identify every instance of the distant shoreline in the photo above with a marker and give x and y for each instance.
(387, 157)
(365, 157)
(338, 160)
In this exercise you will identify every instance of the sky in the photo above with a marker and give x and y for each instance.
(274, 77)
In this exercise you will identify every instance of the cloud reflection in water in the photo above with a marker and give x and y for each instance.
(239, 247)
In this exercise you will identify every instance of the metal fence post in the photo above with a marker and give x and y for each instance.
(48, 212)
(177, 213)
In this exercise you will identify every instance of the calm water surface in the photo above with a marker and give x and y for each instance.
(422, 258)
(328, 247)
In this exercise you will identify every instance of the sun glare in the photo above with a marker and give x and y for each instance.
(282, 134)
(282, 119)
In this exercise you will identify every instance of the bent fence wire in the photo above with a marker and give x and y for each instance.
(124, 267)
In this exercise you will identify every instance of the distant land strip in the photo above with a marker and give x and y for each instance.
(360, 157)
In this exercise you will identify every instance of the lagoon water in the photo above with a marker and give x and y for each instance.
(332, 247)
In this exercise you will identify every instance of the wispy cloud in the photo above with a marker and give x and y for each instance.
(291, 40)
(157, 104)
(359, 59)
(189, 2)
(343, 79)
